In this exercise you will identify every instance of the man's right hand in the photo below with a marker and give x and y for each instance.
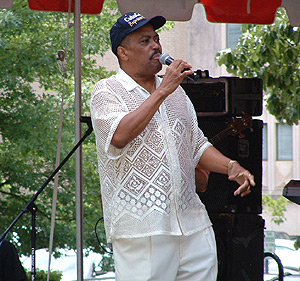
(175, 73)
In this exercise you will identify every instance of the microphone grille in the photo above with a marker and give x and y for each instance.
(163, 58)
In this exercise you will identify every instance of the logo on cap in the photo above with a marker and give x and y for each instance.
(133, 19)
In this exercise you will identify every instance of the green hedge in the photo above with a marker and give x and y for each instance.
(41, 275)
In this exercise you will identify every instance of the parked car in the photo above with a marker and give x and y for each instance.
(282, 235)
(289, 258)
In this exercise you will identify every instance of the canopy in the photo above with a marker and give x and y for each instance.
(227, 11)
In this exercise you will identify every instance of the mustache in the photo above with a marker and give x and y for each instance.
(154, 53)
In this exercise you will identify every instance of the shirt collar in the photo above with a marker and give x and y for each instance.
(128, 82)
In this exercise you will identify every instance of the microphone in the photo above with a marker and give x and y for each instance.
(167, 60)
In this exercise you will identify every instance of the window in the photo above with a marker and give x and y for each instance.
(284, 142)
(265, 141)
(234, 31)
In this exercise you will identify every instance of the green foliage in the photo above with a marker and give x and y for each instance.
(270, 52)
(41, 275)
(275, 207)
(297, 243)
(29, 120)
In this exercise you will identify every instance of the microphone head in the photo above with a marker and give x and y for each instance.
(165, 59)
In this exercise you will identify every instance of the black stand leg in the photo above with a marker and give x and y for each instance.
(278, 261)
(31, 207)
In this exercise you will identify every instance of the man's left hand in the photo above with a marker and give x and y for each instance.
(243, 177)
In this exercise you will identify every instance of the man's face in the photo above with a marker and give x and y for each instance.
(143, 50)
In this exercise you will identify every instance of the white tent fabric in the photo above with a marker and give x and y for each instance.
(181, 10)
(6, 4)
(293, 10)
(177, 10)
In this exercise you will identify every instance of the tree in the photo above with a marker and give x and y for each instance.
(29, 120)
(276, 207)
(270, 52)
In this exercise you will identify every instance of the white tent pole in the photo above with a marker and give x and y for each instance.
(79, 194)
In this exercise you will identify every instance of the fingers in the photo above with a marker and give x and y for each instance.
(243, 190)
(245, 175)
(180, 64)
(182, 68)
(246, 180)
(175, 73)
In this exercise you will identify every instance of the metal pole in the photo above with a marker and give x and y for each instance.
(79, 199)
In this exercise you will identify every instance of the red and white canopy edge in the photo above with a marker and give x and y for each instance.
(221, 11)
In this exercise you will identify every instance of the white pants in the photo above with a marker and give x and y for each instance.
(167, 258)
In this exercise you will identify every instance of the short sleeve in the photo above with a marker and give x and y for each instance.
(107, 110)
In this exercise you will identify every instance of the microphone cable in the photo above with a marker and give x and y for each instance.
(99, 242)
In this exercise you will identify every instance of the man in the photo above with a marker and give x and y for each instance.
(149, 144)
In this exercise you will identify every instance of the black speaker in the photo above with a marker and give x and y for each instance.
(246, 148)
(225, 96)
(240, 246)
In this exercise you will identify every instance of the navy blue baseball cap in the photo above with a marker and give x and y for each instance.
(128, 23)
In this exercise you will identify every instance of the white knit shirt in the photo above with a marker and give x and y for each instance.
(148, 187)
